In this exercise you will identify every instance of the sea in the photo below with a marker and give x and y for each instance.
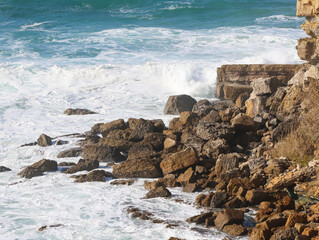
(121, 59)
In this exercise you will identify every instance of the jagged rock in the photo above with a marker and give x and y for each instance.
(235, 230)
(191, 140)
(242, 122)
(44, 140)
(138, 168)
(213, 148)
(118, 138)
(260, 232)
(285, 234)
(190, 187)
(106, 128)
(226, 162)
(277, 220)
(187, 177)
(83, 165)
(289, 179)
(228, 217)
(265, 86)
(4, 169)
(286, 203)
(236, 202)
(168, 143)
(239, 186)
(296, 218)
(256, 196)
(208, 131)
(78, 111)
(141, 128)
(158, 192)
(152, 185)
(178, 104)
(232, 91)
(202, 106)
(73, 152)
(38, 168)
(178, 161)
(102, 152)
(155, 140)
(93, 176)
(168, 180)
(284, 128)
(219, 199)
(127, 182)
(200, 219)
(255, 105)
(242, 98)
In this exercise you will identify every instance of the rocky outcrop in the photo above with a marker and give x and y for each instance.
(82, 165)
(73, 152)
(102, 152)
(78, 111)
(4, 169)
(93, 176)
(158, 192)
(235, 80)
(177, 104)
(38, 168)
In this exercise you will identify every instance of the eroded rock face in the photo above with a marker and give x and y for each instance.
(177, 104)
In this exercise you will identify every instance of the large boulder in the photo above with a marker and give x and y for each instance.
(209, 130)
(141, 128)
(179, 161)
(4, 169)
(106, 128)
(138, 168)
(242, 122)
(226, 162)
(44, 140)
(102, 152)
(178, 104)
(38, 168)
(265, 86)
(213, 148)
(228, 217)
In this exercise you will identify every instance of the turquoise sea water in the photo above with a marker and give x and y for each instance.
(121, 59)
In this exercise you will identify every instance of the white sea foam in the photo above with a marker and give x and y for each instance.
(280, 19)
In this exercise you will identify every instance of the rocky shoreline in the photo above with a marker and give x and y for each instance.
(224, 151)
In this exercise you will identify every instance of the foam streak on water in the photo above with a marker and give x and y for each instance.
(121, 59)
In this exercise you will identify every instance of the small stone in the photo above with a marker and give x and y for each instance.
(44, 140)
(158, 192)
(127, 182)
(78, 111)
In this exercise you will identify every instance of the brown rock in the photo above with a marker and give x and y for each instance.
(38, 168)
(242, 122)
(82, 165)
(309, 232)
(158, 192)
(78, 111)
(168, 143)
(138, 168)
(168, 180)
(265, 86)
(213, 148)
(208, 131)
(277, 220)
(102, 152)
(239, 186)
(235, 230)
(73, 152)
(93, 176)
(226, 162)
(240, 101)
(285, 234)
(229, 217)
(187, 177)
(141, 128)
(219, 199)
(44, 140)
(126, 182)
(296, 218)
(190, 187)
(178, 104)
(179, 161)
(256, 196)
(315, 208)
(152, 185)
(106, 128)
(199, 219)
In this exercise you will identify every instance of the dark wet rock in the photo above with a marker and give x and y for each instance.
(178, 104)
(137, 213)
(219, 199)
(90, 139)
(141, 150)
(61, 142)
(235, 230)
(141, 128)
(102, 152)
(66, 164)
(256, 196)
(38, 168)
(50, 226)
(93, 176)
(4, 169)
(44, 140)
(126, 182)
(154, 140)
(229, 217)
(158, 192)
(119, 139)
(178, 161)
(201, 218)
(29, 144)
(106, 128)
(73, 152)
(83, 165)
(78, 111)
(138, 168)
